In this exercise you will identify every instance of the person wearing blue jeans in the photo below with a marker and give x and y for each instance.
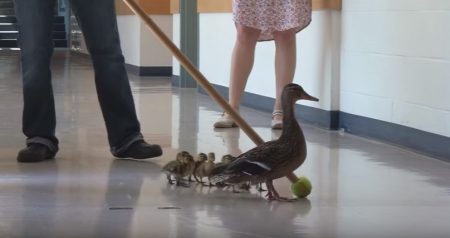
(97, 19)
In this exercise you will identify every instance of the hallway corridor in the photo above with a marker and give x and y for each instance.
(361, 188)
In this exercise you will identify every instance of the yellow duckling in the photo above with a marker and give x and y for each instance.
(205, 168)
(226, 159)
(200, 159)
(181, 155)
(182, 166)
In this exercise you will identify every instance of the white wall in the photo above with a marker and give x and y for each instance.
(130, 38)
(384, 59)
(176, 39)
(318, 57)
(140, 47)
(153, 52)
(396, 62)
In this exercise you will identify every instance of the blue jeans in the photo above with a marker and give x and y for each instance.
(97, 19)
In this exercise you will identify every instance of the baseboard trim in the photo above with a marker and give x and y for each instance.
(427, 143)
(434, 145)
(149, 70)
(163, 71)
(176, 80)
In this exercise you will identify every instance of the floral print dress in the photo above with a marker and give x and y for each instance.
(272, 15)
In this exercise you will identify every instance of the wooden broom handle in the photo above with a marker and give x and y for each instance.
(198, 76)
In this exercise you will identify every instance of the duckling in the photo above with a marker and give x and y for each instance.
(181, 167)
(205, 168)
(173, 168)
(211, 156)
(190, 166)
(273, 159)
(226, 159)
(181, 155)
(200, 159)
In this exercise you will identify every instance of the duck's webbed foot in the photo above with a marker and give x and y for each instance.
(196, 179)
(181, 183)
(220, 184)
(209, 183)
(260, 188)
(245, 186)
(272, 194)
(169, 180)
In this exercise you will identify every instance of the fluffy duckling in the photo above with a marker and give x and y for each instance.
(190, 167)
(211, 156)
(182, 166)
(200, 159)
(182, 155)
(226, 159)
(273, 159)
(205, 168)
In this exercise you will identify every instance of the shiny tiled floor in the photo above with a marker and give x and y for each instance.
(361, 188)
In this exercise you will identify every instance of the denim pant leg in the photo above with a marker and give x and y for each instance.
(35, 20)
(97, 19)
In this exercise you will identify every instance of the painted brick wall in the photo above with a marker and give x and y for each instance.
(395, 62)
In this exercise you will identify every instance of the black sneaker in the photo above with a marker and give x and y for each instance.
(35, 153)
(141, 150)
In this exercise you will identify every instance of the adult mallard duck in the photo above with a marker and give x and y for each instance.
(274, 159)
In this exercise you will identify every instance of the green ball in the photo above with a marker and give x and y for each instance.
(302, 187)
